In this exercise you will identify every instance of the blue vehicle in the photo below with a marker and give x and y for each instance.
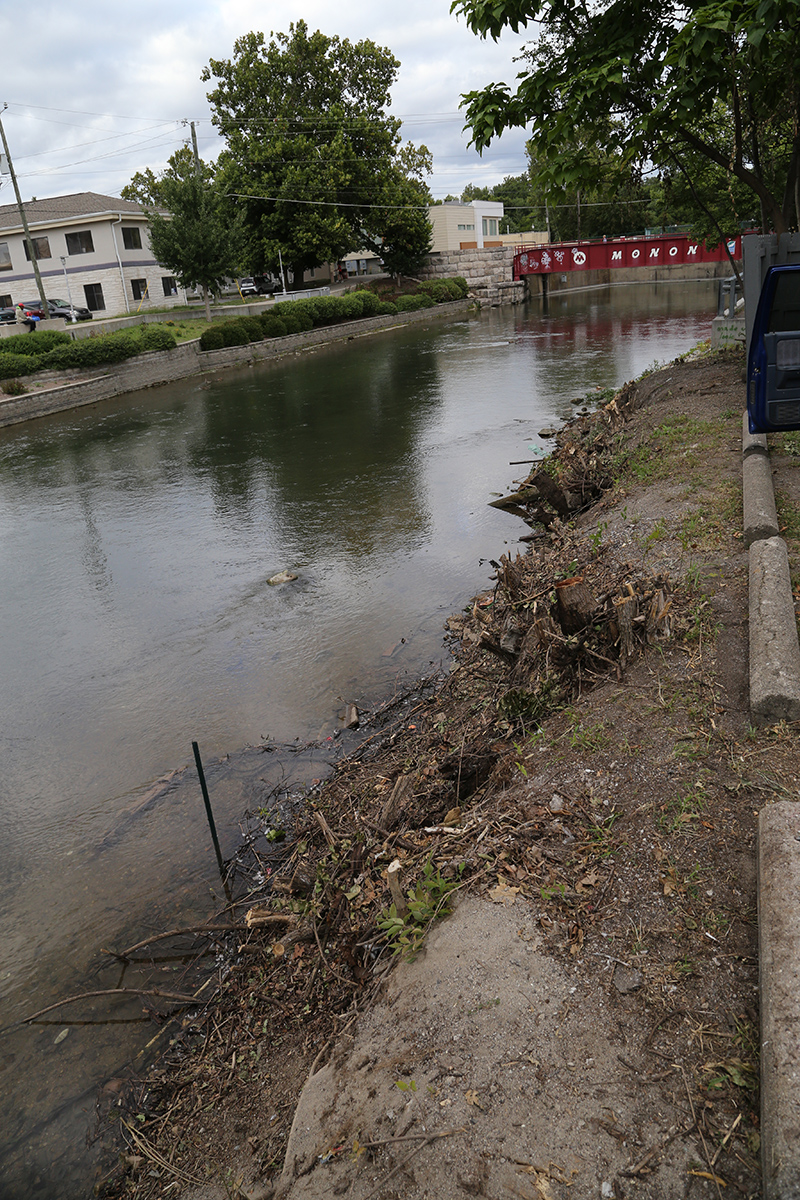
(773, 364)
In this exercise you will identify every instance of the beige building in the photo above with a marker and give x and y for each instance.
(474, 226)
(459, 226)
(92, 250)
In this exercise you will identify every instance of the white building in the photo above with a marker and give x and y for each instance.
(93, 250)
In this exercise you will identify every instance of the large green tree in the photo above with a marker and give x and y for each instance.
(613, 202)
(310, 147)
(654, 82)
(397, 226)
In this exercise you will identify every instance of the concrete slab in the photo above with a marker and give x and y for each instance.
(774, 650)
(779, 957)
(760, 517)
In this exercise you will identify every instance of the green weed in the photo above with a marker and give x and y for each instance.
(426, 901)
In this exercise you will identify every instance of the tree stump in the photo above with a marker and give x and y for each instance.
(576, 604)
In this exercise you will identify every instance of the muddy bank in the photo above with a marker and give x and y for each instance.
(582, 789)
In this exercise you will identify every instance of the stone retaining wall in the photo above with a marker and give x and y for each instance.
(166, 366)
(488, 273)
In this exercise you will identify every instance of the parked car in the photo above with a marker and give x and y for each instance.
(8, 316)
(258, 285)
(58, 308)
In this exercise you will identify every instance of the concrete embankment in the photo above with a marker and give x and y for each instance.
(65, 390)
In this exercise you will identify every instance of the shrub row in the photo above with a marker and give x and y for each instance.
(54, 351)
(34, 344)
(296, 316)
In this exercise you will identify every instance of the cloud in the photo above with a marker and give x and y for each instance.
(96, 93)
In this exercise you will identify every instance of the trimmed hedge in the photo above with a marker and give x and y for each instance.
(412, 303)
(211, 338)
(93, 351)
(156, 337)
(274, 326)
(35, 344)
(443, 290)
(12, 365)
(386, 309)
(369, 302)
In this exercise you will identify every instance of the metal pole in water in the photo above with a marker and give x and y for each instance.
(209, 813)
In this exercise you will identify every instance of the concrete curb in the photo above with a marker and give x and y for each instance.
(779, 974)
(760, 517)
(774, 650)
(775, 696)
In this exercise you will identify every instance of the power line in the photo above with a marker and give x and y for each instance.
(327, 203)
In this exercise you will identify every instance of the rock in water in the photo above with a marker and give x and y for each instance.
(281, 577)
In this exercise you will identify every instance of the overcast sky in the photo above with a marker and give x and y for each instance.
(96, 92)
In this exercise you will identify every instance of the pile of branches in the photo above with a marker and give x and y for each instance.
(578, 471)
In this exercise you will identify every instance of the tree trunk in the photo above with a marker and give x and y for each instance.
(207, 302)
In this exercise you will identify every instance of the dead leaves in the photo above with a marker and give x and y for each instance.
(503, 893)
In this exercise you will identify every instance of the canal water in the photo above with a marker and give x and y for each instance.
(137, 538)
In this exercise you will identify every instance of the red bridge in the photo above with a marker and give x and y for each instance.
(619, 252)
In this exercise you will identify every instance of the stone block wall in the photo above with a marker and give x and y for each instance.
(488, 273)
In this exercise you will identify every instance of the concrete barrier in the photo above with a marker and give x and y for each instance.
(760, 517)
(779, 976)
(774, 650)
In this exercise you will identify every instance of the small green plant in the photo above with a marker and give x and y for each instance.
(596, 538)
(411, 1086)
(678, 814)
(582, 735)
(405, 934)
(13, 387)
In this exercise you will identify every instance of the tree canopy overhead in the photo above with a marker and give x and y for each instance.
(310, 148)
(653, 82)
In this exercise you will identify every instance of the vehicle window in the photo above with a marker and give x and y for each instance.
(785, 314)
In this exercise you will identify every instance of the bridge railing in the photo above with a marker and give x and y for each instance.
(664, 250)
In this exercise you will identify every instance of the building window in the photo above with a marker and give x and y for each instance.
(41, 248)
(169, 285)
(6, 302)
(80, 243)
(490, 227)
(139, 288)
(5, 258)
(94, 296)
(131, 237)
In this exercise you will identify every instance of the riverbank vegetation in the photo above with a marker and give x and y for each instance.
(297, 316)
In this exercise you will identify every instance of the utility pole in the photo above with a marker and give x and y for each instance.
(194, 149)
(199, 173)
(28, 237)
